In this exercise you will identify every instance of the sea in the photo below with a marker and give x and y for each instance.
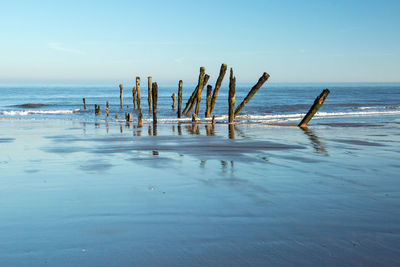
(273, 103)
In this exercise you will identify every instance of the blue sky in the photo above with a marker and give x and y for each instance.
(115, 41)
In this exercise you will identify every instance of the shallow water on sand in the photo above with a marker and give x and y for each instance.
(78, 194)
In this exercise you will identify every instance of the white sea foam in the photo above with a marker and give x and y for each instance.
(34, 112)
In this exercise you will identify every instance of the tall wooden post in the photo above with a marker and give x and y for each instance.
(134, 97)
(208, 101)
(252, 92)
(138, 92)
(84, 103)
(231, 98)
(155, 97)
(121, 88)
(107, 107)
(150, 96)
(222, 72)
(179, 98)
(201, 87)
(173, 100)
(314, 108)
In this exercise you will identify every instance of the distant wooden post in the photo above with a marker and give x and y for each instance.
(179, 98)
(134, 99)
(208, 101)
(140, 120)
(138, 92)
(155, 97)
(121, 88)
(231, 98)
(107, 107)
(150, 97)
(173, 100)
(84, 103)
(252, 92)
(217, 86)
(314, 108)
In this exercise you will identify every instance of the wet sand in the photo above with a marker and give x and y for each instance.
(78, 194)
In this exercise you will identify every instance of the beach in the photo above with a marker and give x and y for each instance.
(94, 193)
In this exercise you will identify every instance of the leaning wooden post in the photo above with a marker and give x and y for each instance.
(134, 99)
(314, 108)
(252, 92)
(121, 88)
(173, 100)
(179, 98)
(208, 101)
(149, 96)
(231, 98)
(193, 99)
(84, 103)
(190, 100)
(155, 97)
(138, 92)
(107, 106)
(222, 72)
(201, 87)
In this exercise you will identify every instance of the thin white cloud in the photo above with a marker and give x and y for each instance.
(60, 47)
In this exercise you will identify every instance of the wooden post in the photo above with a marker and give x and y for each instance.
(173, 100)
(193, 99)
(252, 92)
(314, 108)
(201, 87)
(208, 101)
(134, 99)
(194, 118)
(179, 98)
(150, 97)
(213, 120)
(190, 100)
(231, 98)
(107, 106)
(97, 110)
(221, 76)
(138, 92)
(140, 121)
(155, 97)
(84, 103)
(129, 117)
(121, 88)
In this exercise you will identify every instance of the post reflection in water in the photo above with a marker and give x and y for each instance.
(209, 129)
(231, 131)
(121, 128)
(179, 129)
(150, 131)
(154, 129)
(193, 129)
(316, 143)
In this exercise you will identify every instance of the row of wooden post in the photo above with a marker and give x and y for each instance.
(195, 98)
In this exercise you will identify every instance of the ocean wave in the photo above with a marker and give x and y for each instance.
(37, 112)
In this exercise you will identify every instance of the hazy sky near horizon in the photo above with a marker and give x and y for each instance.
(115, 41)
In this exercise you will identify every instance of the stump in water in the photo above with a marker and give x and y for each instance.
(140, 120)
(208, 101)
(150, 96)
(107, 107)
(84, 103)
(155, 97)
(217, 86)
(97, 110)
(173, 100)
(138, 92)
(134, 97)
(252, 92)
(121, 88)
(179, 98)
(314, 108)
(194, 117)
(129, 117)
(231, 98)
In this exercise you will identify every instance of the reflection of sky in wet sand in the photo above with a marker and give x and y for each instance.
(212, 194)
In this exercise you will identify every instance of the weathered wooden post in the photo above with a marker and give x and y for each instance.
(134, 99)
(155, 97)
(129, 117)
(150, 97)
(140, 120)
(107, 107)
(84, 103)
(231, 98)
(193, 98)
(252, 92)
(121, 88)
(314, 108)
(194, 118)
(201, 87)
(138, 92)
(221, 76)
(208, 101)
(97, 109)
(179, 98)
(173, 100)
